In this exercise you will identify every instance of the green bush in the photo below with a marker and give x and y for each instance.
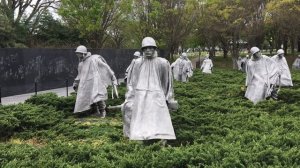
(36, 117)
(8, 123)
(22, 117)
(65, 104)
(215, 126)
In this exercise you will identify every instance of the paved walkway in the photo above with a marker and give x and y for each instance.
(21, 98)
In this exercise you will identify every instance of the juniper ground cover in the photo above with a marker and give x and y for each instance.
(215, 127)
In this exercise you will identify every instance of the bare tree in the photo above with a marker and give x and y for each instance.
(23, 17)
(16, 10)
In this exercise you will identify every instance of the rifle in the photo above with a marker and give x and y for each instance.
(115, 107)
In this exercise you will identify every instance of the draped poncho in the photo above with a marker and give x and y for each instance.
(149, 90)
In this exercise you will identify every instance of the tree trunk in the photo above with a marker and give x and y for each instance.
(234, 62)
(271, 46)
(211, 54)
(225, 47)
(198, 63)
(225, 53)
(278, 41)
(298, 44)
(211, 51)
(293, 41)
(285, 45)
(235, 52)
(170, 57)
(170, 53)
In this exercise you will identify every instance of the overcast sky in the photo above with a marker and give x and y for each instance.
(53, 11)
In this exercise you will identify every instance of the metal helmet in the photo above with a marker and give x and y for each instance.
(254, 50)
(137, 54)
(280, 51)
(81, 49)
(148, 42)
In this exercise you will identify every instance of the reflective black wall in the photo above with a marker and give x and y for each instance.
(50, 68)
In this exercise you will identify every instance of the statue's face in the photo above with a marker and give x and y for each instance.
(148, 51)
(280, 55)
(79, 55)
(257, 55)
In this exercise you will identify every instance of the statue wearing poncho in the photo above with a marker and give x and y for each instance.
(207, 66)
(94, 76)
(149, 90)
(182, 68)
(136, 55)
(285, 74)
(262, 75)
(296, 63)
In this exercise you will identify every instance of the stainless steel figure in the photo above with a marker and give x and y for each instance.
(285, 74)
(262, 75)
(182, 68)
(296, 63)
(150, 90)
(94, 76)
(207, 65)
(136, 55)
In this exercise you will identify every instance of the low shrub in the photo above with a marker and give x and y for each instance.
(215, 126)
(64, 104)
(8, 123)
(21, 117)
